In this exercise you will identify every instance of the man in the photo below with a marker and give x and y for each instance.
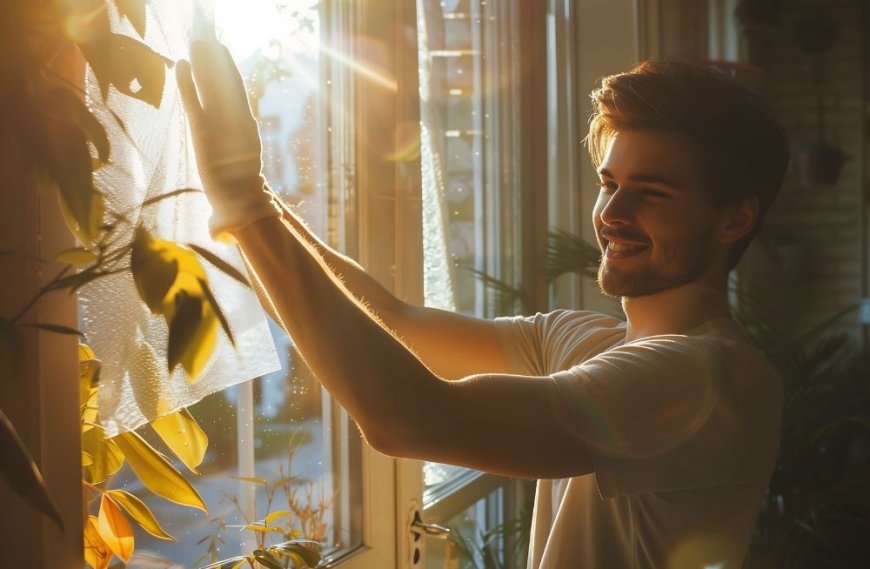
(653, 440)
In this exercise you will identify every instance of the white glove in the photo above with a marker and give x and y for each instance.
(225, 138)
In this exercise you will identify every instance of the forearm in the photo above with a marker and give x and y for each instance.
(372, 374)
(439, 338)
(357, 281)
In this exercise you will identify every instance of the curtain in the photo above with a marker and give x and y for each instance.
(152, 155)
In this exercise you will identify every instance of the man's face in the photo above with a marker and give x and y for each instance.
(653, 218)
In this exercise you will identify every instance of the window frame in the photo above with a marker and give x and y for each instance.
(43, 402)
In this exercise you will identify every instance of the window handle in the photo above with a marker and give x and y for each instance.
(431, 530)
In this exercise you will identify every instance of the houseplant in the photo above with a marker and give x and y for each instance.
(45, 116)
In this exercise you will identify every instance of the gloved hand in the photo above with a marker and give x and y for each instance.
(225, 138)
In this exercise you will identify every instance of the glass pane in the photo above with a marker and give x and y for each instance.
(468, 150)
(469, 196)
(481, 536)
(278, 444)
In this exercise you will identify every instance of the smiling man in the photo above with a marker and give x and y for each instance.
(653, 439)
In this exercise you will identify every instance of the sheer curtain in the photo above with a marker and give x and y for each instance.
(151, 155)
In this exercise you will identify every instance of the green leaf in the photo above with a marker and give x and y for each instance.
(77, 112)
(307, 549)
(267, 559)
(156, 473)
(94, 43)
(85, 226)
(220, 264)
(154, 272)
(21, 473)
(11, 346)
(183, 435)
(139, 512)
(59, 148)
(229, 563)
(56, 328)
(133, 10)
(182, 331)
(217, 311)
(129, 65)
(76, 256)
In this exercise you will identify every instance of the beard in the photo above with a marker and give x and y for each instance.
(682, 264)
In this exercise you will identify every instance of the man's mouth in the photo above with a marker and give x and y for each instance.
(622, 250)
(622, 247)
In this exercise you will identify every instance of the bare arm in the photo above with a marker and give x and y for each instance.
(348, 327)
(499, 423)
(441, 339)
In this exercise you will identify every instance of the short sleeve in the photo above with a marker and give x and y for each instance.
(665, 414)
(545, 343)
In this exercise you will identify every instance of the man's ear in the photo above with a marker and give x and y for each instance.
(738, 219)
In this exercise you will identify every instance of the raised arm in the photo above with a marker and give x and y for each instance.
(512, 425)
(439, 338)
(385, 361)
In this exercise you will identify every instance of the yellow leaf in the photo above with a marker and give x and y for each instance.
(156, 473)
(89, 376)
(258, 527)
(97, 553)
(77, 257)
(154, 270)
(275, 515)
(115, 529)
(139, 512)
(107, 457)
(172, 281)
(252, 479)
(183, 435)
(192, 334)
(89, 409)
(87, 460)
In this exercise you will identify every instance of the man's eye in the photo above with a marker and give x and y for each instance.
(608, 187)
(654, 193)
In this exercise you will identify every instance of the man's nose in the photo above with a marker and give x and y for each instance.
(617, 210)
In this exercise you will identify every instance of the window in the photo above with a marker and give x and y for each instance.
(278, 443)
(471, 96)
(281, 434)
(486, 125)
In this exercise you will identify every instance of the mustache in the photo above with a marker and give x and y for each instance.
(616, 235)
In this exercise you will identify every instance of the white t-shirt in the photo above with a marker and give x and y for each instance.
(682, 430)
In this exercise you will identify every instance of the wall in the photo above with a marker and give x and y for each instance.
(811, 260)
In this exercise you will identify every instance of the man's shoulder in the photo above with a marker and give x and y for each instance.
(561, 338)
(562, 319)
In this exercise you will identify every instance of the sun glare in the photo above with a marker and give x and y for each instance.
(248, 26)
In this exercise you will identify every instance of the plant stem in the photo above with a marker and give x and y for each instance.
(39, 294)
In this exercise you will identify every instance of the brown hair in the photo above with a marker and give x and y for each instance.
(743, 149)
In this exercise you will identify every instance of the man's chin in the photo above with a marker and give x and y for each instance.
(620, 286)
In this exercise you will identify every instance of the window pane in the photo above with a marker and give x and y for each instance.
(483, 535)
(468, 155)
(469, 115)
(278, 443)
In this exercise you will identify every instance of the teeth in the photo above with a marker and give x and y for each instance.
(619, 247)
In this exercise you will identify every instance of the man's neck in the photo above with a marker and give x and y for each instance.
(673, 311)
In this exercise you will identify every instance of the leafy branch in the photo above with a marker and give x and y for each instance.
(63, 144)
